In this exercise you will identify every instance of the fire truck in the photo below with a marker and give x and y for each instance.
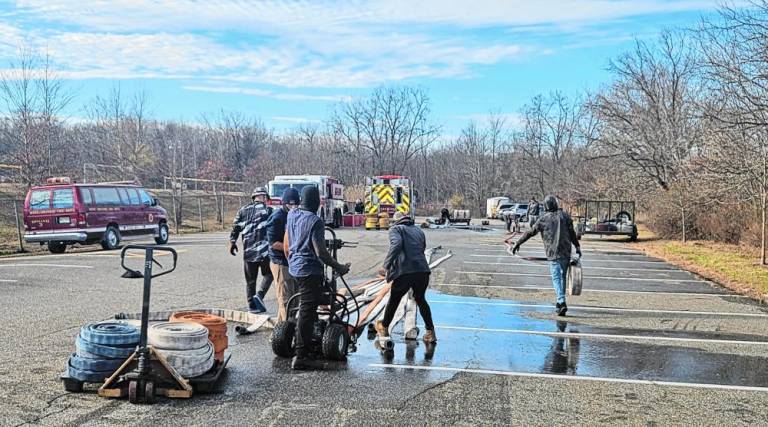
(390, 194)
(331, 194)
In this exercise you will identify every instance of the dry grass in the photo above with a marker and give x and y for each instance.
(735, 267)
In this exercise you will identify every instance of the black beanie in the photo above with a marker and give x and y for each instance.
(310, 198)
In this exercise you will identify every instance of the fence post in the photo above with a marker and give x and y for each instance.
(200, 213)
(222, 211)
(18, 225)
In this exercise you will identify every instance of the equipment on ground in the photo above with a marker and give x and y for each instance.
(331, 194)
(597, 217)
(147, 372)
(390, 194)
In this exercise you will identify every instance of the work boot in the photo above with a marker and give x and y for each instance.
(561, 309)
(305, 363)
(429, 337)
(381, 329)
(256, 306)
(412, 333)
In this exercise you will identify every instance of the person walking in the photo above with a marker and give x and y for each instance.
(534, 209)
(250, 224)
(558, 234)
(406, 268)
(306, 254)
(278, 264)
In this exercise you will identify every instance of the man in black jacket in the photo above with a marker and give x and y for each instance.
(250, 223)
(557, 232)
(407, 268)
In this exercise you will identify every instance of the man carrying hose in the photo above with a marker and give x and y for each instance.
(286, 286)
(557, 232)
(250, 223)
(306, 253)
(406, 267)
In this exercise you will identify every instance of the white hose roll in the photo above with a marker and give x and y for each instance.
(177, 336)
(190, 363)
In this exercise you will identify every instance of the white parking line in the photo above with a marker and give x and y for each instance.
(47, 265)
(606, 251)
(542, 265)
(616, 309)
(585, 259)
(633, 279)
(614, 337)
(570, 377)
(607, 291)
(8, 281)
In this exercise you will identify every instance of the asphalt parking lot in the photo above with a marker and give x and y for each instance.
(644, 344)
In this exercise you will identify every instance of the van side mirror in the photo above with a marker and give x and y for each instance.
(154, 202)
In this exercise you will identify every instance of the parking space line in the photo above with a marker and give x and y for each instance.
(615, 337)
(570, 377)
(8, 281)
(47, 265)
(632, 279)
(595, 250)
(582, 259)
(541, 265)
(616, 309)
(608, 291)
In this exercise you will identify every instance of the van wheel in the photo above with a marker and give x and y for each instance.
(57, 247)
(111, 238)
(162, 234)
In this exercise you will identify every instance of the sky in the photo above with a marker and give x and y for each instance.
(293, 62)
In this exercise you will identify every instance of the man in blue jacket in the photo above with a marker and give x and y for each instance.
(278, 264)
(307, 254)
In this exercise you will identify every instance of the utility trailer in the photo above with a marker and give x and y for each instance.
(606, 218)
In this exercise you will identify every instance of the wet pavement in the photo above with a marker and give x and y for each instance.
(644, 344)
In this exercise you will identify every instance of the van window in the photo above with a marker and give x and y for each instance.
(63, 199)
(40, 199)
(106, 196)
(145, 199)
(85, 196)
(123, 195)
(133, 196)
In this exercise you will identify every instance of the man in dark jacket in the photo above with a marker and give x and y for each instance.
(534, 209)
(407, 268)
(306, 253)
(250, 223)
(557, 232)
(278, 264)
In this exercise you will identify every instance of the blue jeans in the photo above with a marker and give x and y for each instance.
(558, 269)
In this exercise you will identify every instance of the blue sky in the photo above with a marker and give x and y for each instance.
(288, 62)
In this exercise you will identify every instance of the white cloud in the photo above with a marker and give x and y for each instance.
(267, 93)
(294, 119)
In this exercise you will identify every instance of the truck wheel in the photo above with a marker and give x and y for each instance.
(282, 338)
(162, 234)
(111, 238)
(57, 247)
(335, 342)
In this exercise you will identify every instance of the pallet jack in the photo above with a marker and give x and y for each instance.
(146, 373)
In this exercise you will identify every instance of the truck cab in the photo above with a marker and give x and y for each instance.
(331, 194)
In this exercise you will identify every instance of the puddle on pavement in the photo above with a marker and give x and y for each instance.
(518, 352)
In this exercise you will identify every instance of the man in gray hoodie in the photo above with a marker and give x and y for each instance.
(558, 234)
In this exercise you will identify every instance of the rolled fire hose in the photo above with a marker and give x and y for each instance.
(216, 325)
(185, 346)
(100, 349)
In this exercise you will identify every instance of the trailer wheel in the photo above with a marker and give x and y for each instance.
(283, 337)
(56, 247)
(335, 342)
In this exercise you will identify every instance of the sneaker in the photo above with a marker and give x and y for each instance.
(381, 330)
(305, 364)
(412, 334)
(256, 305)
(561, 309)
(429, 337)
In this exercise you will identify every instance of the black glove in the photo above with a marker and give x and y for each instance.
(343, 269)
(233, 248)
(516, 249)
(578, 251)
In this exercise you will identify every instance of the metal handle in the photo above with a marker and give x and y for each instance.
(149, 252)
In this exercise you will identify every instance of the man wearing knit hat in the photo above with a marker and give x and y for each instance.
(278, 264)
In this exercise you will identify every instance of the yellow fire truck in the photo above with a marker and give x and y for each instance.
(389, 194)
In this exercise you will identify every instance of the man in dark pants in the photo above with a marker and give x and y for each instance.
(557, 232)
(533, 211)
(285, 285)
(250, 223)
(305, 241)
(407, 268)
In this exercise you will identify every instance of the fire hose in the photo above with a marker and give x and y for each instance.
(185, 346)
(100, 349)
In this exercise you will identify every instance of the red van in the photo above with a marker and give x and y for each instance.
(62, 213)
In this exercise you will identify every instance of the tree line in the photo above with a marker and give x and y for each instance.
(681, 127)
